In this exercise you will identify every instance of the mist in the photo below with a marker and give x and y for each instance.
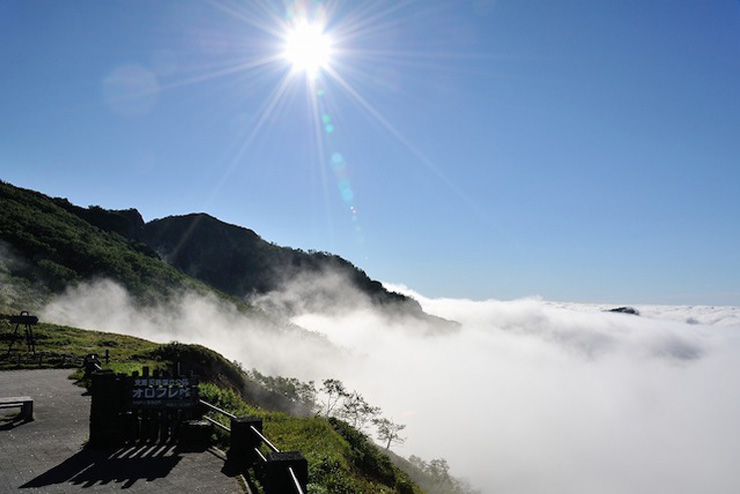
(248, 338)
(528, 396)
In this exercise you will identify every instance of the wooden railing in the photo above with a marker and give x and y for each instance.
(280, 472)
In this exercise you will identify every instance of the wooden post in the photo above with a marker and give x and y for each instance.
(105, 422)
(27, 410)
(243, 439)
(277, 477)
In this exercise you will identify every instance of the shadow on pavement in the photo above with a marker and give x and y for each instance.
(11, 422)
(125, 465)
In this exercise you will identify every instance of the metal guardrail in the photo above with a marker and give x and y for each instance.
(265, 440)
(29, 360)
(217, 409)
(260, 455)
(293, 463)
(296, 484)
(218, 424)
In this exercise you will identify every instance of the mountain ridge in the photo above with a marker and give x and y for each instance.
(232, 259)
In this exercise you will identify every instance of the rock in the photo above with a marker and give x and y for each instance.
(625, 310)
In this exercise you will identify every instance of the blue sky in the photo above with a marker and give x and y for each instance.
(580, 151)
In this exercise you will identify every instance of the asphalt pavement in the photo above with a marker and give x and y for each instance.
(46, 455)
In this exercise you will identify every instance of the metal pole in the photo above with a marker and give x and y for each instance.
(296, 484)
(217, 409)
(265, 440)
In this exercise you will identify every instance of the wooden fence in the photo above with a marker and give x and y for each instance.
(281, 472)
(162, 408)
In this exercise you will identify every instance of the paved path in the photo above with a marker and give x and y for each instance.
(46, 455)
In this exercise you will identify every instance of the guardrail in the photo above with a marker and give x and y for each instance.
(280, 472)
(41, 359)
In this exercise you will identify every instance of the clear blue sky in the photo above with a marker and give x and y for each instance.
(576, 150)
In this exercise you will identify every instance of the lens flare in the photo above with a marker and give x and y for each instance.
(337, 52)
(308, 48)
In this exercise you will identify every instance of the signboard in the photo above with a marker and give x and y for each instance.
(161, 392)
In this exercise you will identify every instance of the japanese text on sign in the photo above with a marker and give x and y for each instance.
(156, 392)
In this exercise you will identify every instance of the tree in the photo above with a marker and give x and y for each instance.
(295, 390)
(437, 478)
(335, 392)
(357, 411)
(439, 469)
(418, 463)
(388, 431)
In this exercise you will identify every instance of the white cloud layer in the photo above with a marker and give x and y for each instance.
(529, 396)
(565, 398)
(215, 323)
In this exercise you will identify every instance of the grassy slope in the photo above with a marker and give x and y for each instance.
(63, 346)
(341, 461)
(44, 248)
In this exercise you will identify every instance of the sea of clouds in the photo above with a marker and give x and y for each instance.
(527, 396)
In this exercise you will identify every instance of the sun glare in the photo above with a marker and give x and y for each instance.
(308, 48)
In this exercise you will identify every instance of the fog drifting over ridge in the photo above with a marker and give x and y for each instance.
(529, 396)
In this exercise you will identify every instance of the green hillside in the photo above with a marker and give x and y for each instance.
(45, 248)
(239, 262)
(231, 258)
(48, 245)
(339, 461)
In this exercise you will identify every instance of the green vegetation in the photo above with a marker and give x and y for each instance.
(48, 245)
(348, 406)
(239, 262)
(341, 459)
(300, 394)
(389, 432)
(47, 248)
(202, 361)
(434, 476)
(63, 346)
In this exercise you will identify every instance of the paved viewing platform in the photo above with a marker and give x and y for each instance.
(47, 455)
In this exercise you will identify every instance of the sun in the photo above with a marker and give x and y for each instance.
(308, 48)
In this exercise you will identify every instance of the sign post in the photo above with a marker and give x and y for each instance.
(132, 408)
(159, 393)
